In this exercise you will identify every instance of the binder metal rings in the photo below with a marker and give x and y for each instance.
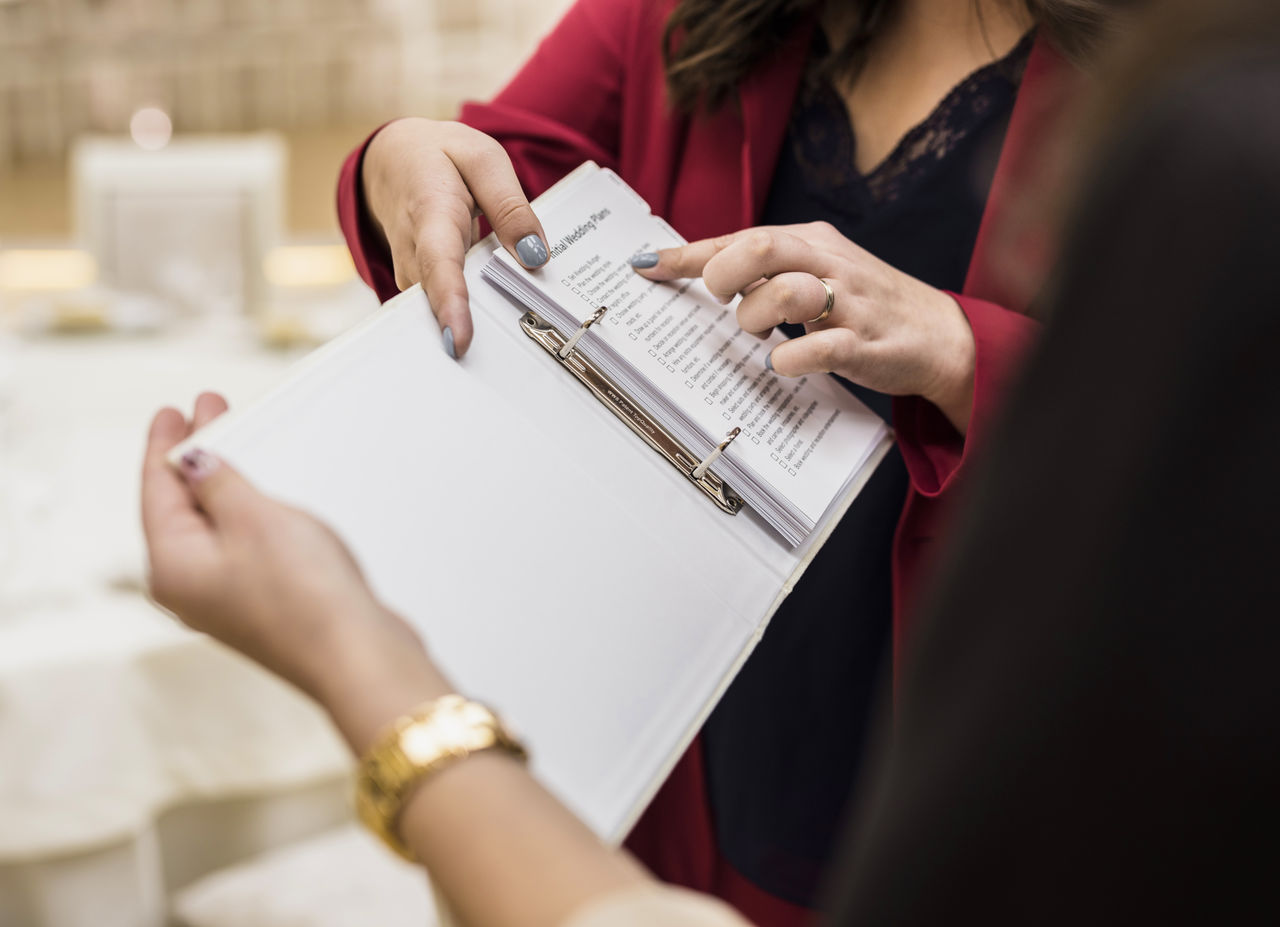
(572, 343)
(637, 419)
(711, 458)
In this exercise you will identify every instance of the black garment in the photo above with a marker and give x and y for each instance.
(1088, 728)
(777, 778)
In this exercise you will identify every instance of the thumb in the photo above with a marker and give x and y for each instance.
(224, 495)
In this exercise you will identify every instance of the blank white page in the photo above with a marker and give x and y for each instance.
(519, 557)
(556, 566)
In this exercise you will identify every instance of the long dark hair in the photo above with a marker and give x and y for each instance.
(710, 45)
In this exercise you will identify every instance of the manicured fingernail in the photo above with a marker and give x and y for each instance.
(531, 251)
(198, 465)
(447, 337)
(768, 362)
(645, 259)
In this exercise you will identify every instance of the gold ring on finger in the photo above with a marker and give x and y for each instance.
(831, 301)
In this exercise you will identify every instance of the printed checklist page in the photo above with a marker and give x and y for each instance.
(803, 436)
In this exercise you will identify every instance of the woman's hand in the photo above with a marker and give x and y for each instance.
(425, 183)
(274, 584)
(886, 331)
(280, 587)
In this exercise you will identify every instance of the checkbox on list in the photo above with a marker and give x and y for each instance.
(755, 440)
(671, 367)
(773, 456)
(689, 383)
(707, 399)
(653, 353)
(726, 415)
(634, 336)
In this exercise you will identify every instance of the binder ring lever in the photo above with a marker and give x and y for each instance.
(701, 469)
(576, 336)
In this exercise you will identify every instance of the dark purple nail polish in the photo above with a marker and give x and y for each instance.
(198, 465)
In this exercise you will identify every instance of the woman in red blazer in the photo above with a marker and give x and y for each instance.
(597, 88)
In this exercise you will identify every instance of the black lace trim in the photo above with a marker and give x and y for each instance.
(824, 145)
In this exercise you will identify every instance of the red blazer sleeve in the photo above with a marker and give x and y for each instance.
(934, 452)
(1012, 256)
(937, 455)
(563, 107)
(369, 250)
(1012, 237)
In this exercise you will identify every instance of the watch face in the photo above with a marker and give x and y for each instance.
(450, 728)
(422, 743)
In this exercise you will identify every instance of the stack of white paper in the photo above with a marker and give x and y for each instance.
(681, 355)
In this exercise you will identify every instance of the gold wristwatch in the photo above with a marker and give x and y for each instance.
(416, 746)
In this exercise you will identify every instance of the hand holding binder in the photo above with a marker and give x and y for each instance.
(423, 181)
(273, 583)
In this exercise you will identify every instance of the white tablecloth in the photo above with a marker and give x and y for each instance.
(134, 755)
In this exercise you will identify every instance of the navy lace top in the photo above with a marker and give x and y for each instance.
(783, 748)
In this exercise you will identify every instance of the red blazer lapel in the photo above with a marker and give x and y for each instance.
(1014, 249)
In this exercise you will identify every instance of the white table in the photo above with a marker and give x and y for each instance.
(135, 756)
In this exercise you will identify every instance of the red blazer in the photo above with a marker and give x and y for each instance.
(594, 89)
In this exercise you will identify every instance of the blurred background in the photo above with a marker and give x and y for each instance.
(167, 175)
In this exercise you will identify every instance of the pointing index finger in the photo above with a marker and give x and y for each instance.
(685, 261)
(764, 252)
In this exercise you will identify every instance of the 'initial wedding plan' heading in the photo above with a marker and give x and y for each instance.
(588, 226)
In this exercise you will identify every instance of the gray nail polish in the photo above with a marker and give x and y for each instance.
(531, 251)
(645, 259)
(768, 362)
(447, 337)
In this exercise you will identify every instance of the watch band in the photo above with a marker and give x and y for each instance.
(415, 747)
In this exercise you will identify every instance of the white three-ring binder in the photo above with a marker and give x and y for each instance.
(560, 558)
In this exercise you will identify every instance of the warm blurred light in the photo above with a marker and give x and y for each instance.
(308, 265)
(63, 269)
(151, 128)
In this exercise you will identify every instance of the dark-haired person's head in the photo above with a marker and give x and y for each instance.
(1087, 729)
